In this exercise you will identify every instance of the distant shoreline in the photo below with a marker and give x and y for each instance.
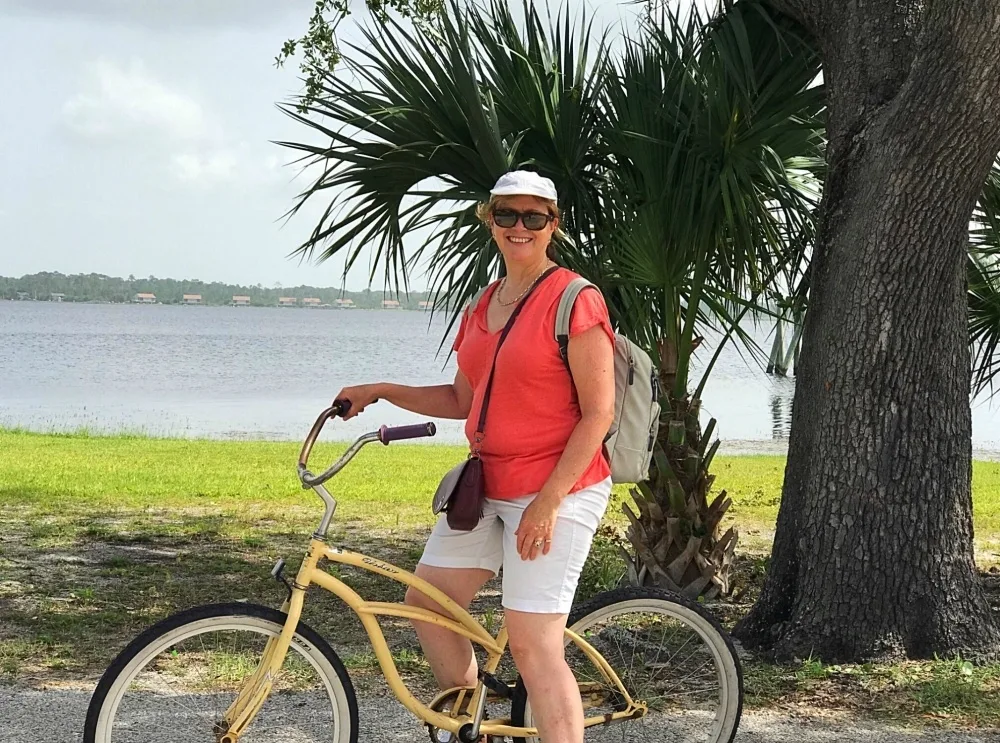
(401, 308)
(101, 289)
(745, 447)
(728, 447)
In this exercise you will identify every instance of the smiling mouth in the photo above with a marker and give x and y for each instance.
(520, 240)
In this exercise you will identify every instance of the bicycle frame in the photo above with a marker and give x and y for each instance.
(257, 688)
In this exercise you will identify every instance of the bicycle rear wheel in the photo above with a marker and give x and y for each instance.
(173, 683)
(670, 655)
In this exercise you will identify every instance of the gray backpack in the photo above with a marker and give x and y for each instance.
(637, 391)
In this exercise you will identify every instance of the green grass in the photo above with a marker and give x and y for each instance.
(940, 691)
(101, 536)
(388, 486)
(754, 484)
(44, 472)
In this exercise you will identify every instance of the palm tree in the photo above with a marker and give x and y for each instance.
(716, 138)
(684, 162)
(984, 285)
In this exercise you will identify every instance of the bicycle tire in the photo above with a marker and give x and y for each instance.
(152, 642)
(673, 605)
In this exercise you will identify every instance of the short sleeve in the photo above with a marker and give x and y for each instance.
(590, 310)
(460, 336)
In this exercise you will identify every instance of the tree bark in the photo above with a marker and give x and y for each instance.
(873, 554)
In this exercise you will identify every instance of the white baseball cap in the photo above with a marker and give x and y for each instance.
(525, 183)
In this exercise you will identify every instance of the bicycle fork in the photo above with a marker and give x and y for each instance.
(257, 688)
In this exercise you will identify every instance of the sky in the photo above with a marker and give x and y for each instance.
(138, 140)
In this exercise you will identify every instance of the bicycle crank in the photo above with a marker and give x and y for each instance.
(453, 703)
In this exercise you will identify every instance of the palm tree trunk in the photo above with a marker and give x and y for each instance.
(676, 536)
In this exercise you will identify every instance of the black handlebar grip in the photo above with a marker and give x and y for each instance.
(343, 406)
(399, 433)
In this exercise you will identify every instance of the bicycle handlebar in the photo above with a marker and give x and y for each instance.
(400, 433)
(385, 434)
(307, 445)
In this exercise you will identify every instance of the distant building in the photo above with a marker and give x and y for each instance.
(426, 305)
(145, 299)
(191, 299)
(312, 302)
(23, 296)
(288, 302)
(390, 304)
(344, 304)
(240, 301)
(56, 297)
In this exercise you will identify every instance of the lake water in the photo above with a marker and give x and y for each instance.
(265, 373)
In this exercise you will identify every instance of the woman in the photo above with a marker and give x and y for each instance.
(547, 477)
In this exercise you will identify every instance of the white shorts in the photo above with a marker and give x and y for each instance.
(544, 585)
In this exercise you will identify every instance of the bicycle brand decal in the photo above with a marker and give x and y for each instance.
(379, 565)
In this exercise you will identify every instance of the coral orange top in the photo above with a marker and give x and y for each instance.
(533, 406)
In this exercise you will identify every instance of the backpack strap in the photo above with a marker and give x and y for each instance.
(565, 312)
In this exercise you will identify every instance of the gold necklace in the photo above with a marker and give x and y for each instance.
(515, 300)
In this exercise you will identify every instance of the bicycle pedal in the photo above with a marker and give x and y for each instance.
(495, 685)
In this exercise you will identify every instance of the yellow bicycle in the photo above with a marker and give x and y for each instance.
(651, 665)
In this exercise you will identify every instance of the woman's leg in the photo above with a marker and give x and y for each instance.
(537, 598)
(536, 644)
(449, 654)
(457, 563)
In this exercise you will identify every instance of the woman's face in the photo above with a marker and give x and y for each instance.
(519, 244)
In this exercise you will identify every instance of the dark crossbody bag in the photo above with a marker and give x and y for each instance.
(462, 492)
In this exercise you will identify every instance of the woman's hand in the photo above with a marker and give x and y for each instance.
(538, 522)
(360, 397)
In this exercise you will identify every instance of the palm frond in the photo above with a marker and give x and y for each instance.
(984, 286)
(705, 126)
(684, 165)
(430, 123)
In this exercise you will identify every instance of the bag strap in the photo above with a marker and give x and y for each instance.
(564, 312)
(481, 428)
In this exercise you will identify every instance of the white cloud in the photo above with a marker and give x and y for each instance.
(119, 102)
(126, 106)
(192, 167)
(160, 14)
(242, 164)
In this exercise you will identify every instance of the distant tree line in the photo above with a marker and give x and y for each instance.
(95, 287)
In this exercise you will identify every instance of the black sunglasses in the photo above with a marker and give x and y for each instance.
(533, 221)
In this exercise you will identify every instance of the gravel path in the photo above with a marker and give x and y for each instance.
(57, 717)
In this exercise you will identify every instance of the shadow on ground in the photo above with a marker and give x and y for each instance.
(76, 587)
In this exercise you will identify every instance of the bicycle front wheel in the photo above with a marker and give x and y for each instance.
(671, 656)
(173, 683)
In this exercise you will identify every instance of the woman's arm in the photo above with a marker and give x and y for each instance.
(438, 401)
(591, 360)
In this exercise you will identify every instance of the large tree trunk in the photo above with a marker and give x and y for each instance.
(873, 553)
